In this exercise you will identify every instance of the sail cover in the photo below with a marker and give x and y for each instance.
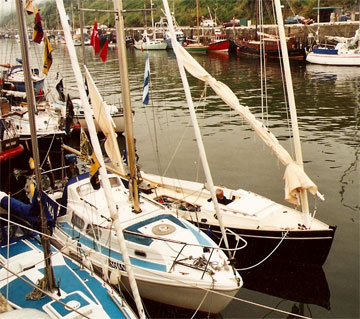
(295, 177)
(105, 123)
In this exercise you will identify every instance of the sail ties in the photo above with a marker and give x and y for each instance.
(295, 177)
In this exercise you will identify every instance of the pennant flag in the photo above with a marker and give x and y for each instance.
(60, 89)
(87, 90)
(94, 40)
(104, 50)
(38, 32)
(29, 7)
(146, 81)
(69, 114)
(94, 175)
(47, 55)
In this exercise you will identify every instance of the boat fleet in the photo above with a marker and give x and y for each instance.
(85, 233)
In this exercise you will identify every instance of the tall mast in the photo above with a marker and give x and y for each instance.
(291, 99)
(49, 273)
(81, 22)
(197, 21)
(126, 100)
(98, 153)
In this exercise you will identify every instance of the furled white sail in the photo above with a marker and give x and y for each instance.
(105, 123)
(295, 177)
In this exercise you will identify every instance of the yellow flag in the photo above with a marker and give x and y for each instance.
(94, 165)
(47, 55)
(84, 146)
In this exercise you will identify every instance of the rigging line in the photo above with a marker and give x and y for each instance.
(261, 261)
(282, 72)
(45, 292)
(48, 151)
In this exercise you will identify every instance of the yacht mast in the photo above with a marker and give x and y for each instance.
(31, 103)
(291, 99)
(126, 100)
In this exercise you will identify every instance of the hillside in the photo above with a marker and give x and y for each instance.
(185, 10)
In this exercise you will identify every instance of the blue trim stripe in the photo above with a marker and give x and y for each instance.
(109, 252)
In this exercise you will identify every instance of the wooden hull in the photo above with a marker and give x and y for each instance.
(196, 48)
(271, 49)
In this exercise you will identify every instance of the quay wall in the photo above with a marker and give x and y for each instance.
(301, 32)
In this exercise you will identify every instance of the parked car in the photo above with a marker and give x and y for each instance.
(298, 20)
(231, 23)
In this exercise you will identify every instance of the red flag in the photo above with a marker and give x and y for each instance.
(104, 50)
(94, 40)
(38, 32)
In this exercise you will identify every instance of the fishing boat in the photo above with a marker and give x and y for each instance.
(219, 42)
(153, 42)
(272, 231)
(167, 255)
(345, 52)
(162, 30)
(148, 43)
(196, 46)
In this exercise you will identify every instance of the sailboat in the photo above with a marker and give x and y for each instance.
(345, 51)
(272, 231)
(168, 255)
(150, 43)
(28, 262)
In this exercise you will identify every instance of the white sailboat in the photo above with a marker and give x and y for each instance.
(173, 262)
(345, 52)
(271, 230)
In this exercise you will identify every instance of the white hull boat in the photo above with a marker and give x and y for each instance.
(168, 255)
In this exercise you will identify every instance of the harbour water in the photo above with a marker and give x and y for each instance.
(328, 105)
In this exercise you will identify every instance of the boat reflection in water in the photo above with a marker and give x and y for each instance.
(303, 284)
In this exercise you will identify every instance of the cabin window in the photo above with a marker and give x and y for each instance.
(114, 182)
(93, 231)
(84, 189)
(77, 221)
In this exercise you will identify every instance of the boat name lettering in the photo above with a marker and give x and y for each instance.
(116, 265)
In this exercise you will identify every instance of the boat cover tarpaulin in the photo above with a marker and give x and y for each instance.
(295, 177)
(31, 212)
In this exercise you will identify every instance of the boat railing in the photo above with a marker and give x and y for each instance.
(198, 264)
